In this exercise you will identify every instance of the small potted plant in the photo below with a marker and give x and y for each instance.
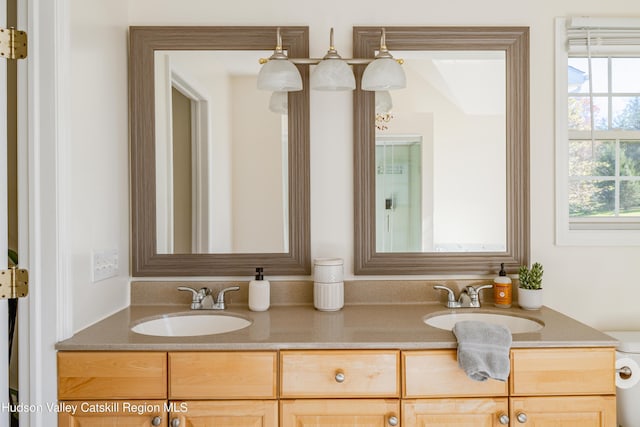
(530, 287)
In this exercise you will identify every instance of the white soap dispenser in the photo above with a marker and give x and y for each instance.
(259, 292)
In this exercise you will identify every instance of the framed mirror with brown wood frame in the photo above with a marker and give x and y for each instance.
(441, 168)
(219, 169)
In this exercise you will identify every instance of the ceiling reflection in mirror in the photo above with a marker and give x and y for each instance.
(440, 155)
(221, 155)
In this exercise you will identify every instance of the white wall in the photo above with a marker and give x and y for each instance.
(595, 285)
(257, 208)
(99, 205)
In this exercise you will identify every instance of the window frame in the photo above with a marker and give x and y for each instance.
(610, 231)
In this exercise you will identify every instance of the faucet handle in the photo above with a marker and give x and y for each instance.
(220, 299)
(482, 288)
(474, 294)
(198, 296)
(451, 297)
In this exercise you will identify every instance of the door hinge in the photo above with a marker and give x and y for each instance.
(14, 283)
(13, 43)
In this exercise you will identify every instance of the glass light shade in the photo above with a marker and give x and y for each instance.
(383, 102)
(332, 74)
(279, 102)
(383, 74)
(279, 75)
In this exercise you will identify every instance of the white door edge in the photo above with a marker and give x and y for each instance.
(45, 316)
(4, 244)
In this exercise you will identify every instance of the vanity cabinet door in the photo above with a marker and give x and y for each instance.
(483, 412)
(337, 373)
(236, 413)
(435, 373)
(223, 375)
(112, 375)
(569, 411)
(562, 371)
(340, 412)
(90, 413)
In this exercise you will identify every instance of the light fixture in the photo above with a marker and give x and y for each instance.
(332, 72)
(279, 102)
(384, 73)
(278, 74)
(384, 102)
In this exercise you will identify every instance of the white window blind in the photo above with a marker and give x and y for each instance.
(603, 35)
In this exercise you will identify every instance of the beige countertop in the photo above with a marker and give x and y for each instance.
(361, 326)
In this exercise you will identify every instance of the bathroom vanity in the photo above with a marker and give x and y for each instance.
(366, 365)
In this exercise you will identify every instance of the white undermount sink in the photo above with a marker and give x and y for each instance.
(515, 324)
(190, 324)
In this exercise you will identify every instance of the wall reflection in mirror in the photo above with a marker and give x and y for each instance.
(440, 155)
(221, 155)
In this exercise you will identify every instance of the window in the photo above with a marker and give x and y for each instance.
(598, 131)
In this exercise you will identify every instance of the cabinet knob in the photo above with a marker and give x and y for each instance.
(503, 419)
(156, 421)
(175, 422)
(393, 420)
(521, 417)
(340, 377)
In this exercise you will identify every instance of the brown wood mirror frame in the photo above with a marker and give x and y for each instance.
(514, 41)
(145, 261)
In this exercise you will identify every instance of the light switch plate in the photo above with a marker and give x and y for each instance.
(104, 264)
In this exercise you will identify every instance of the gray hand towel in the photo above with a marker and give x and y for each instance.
(483, 350)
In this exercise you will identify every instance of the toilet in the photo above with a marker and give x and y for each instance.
(628, 398)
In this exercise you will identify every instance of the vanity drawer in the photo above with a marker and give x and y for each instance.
(435, 373)
(112, 375)
(222, 375)
(335, 373)
(562, 371)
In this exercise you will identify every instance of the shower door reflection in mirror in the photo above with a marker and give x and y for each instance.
(402, 186)
(441, 155)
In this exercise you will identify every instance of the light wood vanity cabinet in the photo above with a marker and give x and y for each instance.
(223, 375)
(112, 375)
(340, 412)
(352, 387)
(112, 388)
(567, 387)
(563, 387)
(102, 413)
(228, 388)
(236, 413)
(435, 373)
(315, 388)
(208, 388)
(339, 373)
(442, 412)
(436, 392)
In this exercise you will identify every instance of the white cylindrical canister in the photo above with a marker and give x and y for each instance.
(328, 286)
(328, 296)
(328, 270)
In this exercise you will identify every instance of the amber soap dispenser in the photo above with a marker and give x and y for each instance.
(502, 289)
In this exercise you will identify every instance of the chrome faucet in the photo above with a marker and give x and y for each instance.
(469, 297)
(198, 296)
(202, 299)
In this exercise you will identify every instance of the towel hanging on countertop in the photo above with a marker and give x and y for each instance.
(483, 350)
